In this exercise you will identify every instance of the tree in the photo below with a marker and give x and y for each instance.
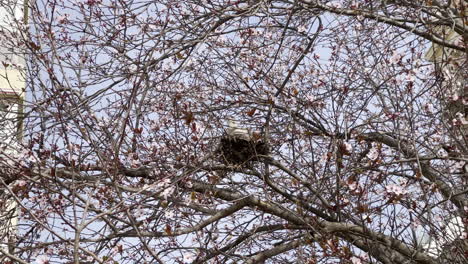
(127, 102)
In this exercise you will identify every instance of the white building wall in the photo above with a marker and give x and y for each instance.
(452, 65)
(12, 85)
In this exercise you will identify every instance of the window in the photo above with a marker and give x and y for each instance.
(9, 120)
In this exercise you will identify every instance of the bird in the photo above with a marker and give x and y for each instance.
(234, 130)
(240, 145)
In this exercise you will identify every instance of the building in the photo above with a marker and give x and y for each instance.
(452, 66)
(12, 87)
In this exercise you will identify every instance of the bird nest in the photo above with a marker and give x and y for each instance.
(236, 150)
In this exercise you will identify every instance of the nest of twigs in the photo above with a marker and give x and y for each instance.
(236, 151)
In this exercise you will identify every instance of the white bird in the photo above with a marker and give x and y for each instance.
(234, 130)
